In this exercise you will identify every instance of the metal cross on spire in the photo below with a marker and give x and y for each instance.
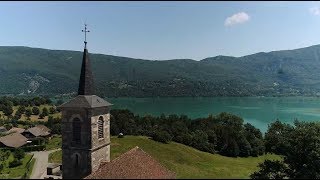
(85, 35)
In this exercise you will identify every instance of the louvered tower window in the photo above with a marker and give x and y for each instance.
(76, 129)
(100, 127)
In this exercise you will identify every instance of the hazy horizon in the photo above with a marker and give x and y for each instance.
(162, 30)
(160, 59)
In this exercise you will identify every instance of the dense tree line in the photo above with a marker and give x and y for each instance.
(27, 106)
(193, 88)
(26, 101)
(299, 145)
(224, 133)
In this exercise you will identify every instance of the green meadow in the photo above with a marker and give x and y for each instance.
(185, 161)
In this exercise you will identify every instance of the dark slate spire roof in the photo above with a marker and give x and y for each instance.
(89, 101)
(86, 97)
(86, 78)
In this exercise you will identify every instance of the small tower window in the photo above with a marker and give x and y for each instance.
(76, 164)
(100, 127)
(76, 127)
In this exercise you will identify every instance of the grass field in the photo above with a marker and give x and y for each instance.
(30, 168)
(185, 161)
(54, 143)
(55, 157)
(16, 172)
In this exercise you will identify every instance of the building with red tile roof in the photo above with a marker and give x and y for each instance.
(134, 164)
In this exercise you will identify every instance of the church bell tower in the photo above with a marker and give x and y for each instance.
(85, 127)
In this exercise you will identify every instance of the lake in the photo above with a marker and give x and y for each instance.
(259, 111)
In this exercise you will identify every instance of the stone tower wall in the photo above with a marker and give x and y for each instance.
(92, 150)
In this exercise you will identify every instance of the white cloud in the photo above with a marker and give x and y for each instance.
(238, 18)
(315, 11)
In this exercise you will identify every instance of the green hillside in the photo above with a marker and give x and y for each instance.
(185, 161)
(25, 70)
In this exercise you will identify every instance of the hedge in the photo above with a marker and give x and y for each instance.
(26, 148)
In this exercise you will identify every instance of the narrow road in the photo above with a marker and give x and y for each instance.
(41, 163)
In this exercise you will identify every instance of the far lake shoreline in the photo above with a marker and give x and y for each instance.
(257, 110)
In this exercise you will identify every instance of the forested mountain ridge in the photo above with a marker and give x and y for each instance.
(25, 70)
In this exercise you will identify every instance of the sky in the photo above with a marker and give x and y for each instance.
(162, 30)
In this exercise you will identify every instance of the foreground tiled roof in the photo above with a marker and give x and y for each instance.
(18, 130)
(39, 130)
(14, 140)
(134, 164)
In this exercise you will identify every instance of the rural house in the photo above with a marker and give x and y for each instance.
(13, 140)
(16, 130)
(37, 131)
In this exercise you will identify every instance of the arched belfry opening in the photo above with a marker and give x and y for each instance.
(100, 127)
(86, 138)
(76, 161)
(76, 130)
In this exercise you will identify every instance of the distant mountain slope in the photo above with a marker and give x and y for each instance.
(25, 70)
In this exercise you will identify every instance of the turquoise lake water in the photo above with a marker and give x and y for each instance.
(259, 111)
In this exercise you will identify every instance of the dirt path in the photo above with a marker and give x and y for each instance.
(41, 163)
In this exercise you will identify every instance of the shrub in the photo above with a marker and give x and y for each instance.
(271, 170)
(33, 148)
(15, 163)
(45, 111)
(52, 110)
(28, 112)
(19, 153)
(162, 136)
(41, 116)
(35, 110)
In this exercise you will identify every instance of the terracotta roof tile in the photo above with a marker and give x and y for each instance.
(134, 164)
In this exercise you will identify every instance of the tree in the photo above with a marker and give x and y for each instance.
(302, 159)
(162, 136)
(41, 116)
(3, 157)
(244, 147)
(50, 122)
(7, 110)
(17, 115)
(52, 110)
(35, 110)
(21, 109)
(45, 111)
(19, 153)
(303, 156)
(271, 170)
(28, 113)
(15, 163)
(276, 138)
(231, 148)
(8, 126)
(14, 123)
(200, 141)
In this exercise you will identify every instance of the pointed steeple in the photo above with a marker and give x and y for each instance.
(86, 78)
